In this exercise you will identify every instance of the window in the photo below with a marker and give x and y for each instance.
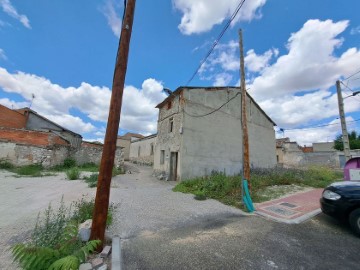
(169, 104)
(162, 156)
(151, 149)
(171, 124)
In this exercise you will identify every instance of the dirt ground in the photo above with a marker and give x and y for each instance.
(22, 198)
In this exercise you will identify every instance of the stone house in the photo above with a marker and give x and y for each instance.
(29, 138)
(28, 119)
(200, 131)
(124, 142)
(142, 150)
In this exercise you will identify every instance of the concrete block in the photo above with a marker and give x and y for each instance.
(85, 230)
(97, 263)
(85, 266)
(116, 256)
(105, 252)
(104, 267)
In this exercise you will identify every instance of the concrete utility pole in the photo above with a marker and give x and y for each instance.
(246, 155)
(345, 137)
(107, 159)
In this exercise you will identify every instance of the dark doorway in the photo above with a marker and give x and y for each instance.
(173, 166)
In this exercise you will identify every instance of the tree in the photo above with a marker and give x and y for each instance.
(354, 140)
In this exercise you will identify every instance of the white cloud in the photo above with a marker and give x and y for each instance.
(355, 30)
(200, 16)
(324, 134)
(256, 63)
(111, 11)
(54, 101)
(2, 55)
(9, 9)
(222, 79)
(310, 63)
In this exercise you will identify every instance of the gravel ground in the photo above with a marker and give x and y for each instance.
(146, 204)
(22, 198)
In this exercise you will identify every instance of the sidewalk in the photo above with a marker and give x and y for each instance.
(292, 209)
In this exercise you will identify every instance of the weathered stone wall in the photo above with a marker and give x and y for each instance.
(92, 153)
(21, 154)
(24, 147)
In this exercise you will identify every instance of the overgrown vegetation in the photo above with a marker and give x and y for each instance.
(54, 243)
(33, 170)
(73, 173)
(227, 189)
(5, 165)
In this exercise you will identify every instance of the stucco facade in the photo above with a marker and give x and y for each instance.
(142, 150)
(200, 131)
(124, 142)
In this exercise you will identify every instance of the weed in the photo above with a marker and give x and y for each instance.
(29, 170)
(227, 189)
(117, 171)
(73, 173)
(83, 210)
(92, 180)
(69, 163)
(6, 165)
(89, 167)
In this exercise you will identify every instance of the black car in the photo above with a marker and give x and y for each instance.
(342, 200)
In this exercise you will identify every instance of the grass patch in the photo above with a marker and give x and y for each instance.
(73, 173)
(227, 189)
(89, 167)
(6, 165)
(28, 170)
(117, 171)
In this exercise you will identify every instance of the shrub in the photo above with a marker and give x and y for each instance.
(117, 171)
(73, 173)
(69, 253)
(83, 210)
(69, 163)
(92, 180)
(6, 165)
(50, 226)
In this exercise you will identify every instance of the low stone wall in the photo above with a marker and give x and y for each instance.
(23, 147)
(21, 154)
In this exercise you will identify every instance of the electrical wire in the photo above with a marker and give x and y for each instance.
(216, 42)
(357, 72)
(315, 127)
(192, 115)
(353, 96)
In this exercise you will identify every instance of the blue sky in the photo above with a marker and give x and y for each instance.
(63, 52)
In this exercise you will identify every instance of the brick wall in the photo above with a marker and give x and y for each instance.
(11, 119)
(29, 137)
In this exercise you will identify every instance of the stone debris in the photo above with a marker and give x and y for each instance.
(85, 230)
(97, 263)
(104, 267)
(105, 252)
(85, 266)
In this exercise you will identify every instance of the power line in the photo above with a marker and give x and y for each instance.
(315, 127)
(192, 115)
(350, 90)
(216, 42)
(357, 72)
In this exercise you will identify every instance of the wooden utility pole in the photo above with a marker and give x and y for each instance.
(345, 137)
(246, 155)
(107, 159)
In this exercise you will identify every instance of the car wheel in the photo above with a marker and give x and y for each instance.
(354, 220)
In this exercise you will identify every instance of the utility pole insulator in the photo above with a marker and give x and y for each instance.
(246, 154)
(345, 137)
(108, 155)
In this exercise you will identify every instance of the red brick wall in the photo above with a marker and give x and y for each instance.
(31, 137)
(11, 119)
(89, 144)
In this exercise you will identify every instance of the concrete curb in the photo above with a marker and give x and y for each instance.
(291, 221)
(116, 256)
